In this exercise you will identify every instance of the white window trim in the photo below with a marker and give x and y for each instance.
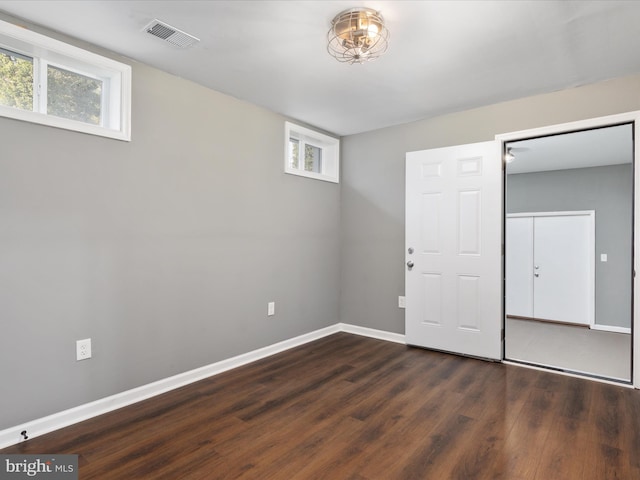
(62, 55)
(330, 152)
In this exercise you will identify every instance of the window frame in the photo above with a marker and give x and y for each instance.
(44, 52)
(328, 146)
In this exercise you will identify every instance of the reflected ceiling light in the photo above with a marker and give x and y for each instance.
(357, 35)
(509, 156)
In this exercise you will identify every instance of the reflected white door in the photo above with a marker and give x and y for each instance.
(453, 230)
(519, 267)
(550, 266)
(564, 265)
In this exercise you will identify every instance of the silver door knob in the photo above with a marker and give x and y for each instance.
(410, 264)
(536, 274)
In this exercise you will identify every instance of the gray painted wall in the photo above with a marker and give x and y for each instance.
(372, 205)
(608, 191)
(165, 250)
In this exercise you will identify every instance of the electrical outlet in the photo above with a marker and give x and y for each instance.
(83, 349)
(271, 309)
(402, 303)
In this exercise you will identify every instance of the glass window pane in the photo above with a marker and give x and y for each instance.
(311, 154)
(312, 159)
(294, 147)
(16, 80)
(73, 96)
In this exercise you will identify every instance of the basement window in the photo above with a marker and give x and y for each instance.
(52, 83)
(311, 154)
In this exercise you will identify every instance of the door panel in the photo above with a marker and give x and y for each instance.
(563, 262)
(430, 222)
(431, 298)
(453, 229)
(469, 218)
(519, 266)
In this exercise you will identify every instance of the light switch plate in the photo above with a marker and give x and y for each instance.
(402, 303)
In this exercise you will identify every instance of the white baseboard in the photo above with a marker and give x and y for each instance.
(41, 426)
(611, 328)
(373, 333)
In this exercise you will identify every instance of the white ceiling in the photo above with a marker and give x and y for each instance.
(583, 149)
(443, 56)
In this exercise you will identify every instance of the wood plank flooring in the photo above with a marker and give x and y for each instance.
(349, 407)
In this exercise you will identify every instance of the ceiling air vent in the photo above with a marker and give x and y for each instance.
(170, 34)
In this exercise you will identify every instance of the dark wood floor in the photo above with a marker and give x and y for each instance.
(349, 407)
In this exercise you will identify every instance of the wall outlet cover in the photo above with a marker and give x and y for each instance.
(83, 349)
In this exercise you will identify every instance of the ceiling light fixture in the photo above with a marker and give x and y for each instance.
(509, 156)
(357, 35)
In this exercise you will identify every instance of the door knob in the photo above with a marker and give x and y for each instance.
(410, 264)
(536, 274)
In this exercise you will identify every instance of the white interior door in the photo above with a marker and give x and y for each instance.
(519, 266)
(549, 266)
(563, 263)
(453, 241)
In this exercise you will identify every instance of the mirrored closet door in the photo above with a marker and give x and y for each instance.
(568, 251)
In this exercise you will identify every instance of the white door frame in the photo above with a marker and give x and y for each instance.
(611, 120)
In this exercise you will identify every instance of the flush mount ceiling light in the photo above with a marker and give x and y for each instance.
(357, 35)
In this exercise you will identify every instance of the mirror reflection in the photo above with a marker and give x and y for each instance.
(568, 251)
